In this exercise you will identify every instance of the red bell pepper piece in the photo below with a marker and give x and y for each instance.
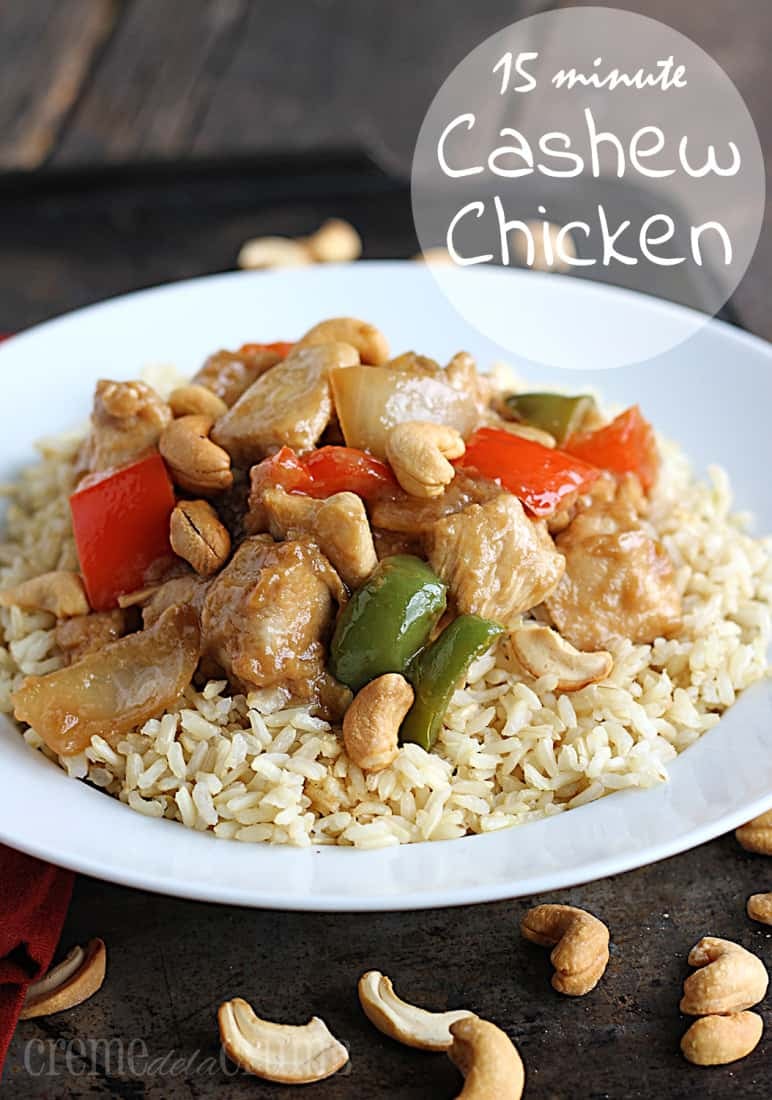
(538, 476)
(625, 446)
(120, 519)
(279, 347)
(283, 470)
(346, 469)
(323, 472)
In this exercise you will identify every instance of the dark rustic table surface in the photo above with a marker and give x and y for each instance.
(89, 84)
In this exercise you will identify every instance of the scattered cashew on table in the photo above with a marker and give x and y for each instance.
(488, 1059)
(291, 1055)
(727, 982)
(71, 982)
(407, 1023)
(579, 941)
(759, 908)
(335, 241)
(485, 1055)
(756, 835)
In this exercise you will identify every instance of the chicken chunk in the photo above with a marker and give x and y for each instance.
(460, 373)
(605, 490)
(292, 405)
(496, 561)
(267, 615)
(405, 514)
(89, 633)
(619, 581)
(230, 373)
(187, 590)
(609, 508)
(339, 525)
(126, 422)
(388, 543)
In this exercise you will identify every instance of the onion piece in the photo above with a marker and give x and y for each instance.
(371, 400)
(111, 691)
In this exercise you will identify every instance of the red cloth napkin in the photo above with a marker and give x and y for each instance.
(34, 897)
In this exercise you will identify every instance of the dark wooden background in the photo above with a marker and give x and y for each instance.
(86, 84)
(89, 82)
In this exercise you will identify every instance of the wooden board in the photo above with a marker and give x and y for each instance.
(48, 49)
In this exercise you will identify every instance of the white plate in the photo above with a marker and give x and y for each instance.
(714, 394)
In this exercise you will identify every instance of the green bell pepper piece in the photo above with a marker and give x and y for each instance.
(555, 413)
(436, 671)
(386, 621)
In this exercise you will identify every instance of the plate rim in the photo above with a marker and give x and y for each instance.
(588, 287)
(447, 899)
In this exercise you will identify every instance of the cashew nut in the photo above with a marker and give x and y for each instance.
(371, 344)
(488, 1059)
(408, 1024)
(756, 835)
(729, 978)
(76, 978)
(580, 945)
(335, 242)
(543, 652)
(279, 1052)
(261, 252)
(61, 593)
(371, 724)
(419, 453)
(198, 536)
(717, 1040)
(197, 464)
(759, 908)
(339, 524)
(195, 400)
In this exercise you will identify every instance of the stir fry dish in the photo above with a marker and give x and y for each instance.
(323, 532)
